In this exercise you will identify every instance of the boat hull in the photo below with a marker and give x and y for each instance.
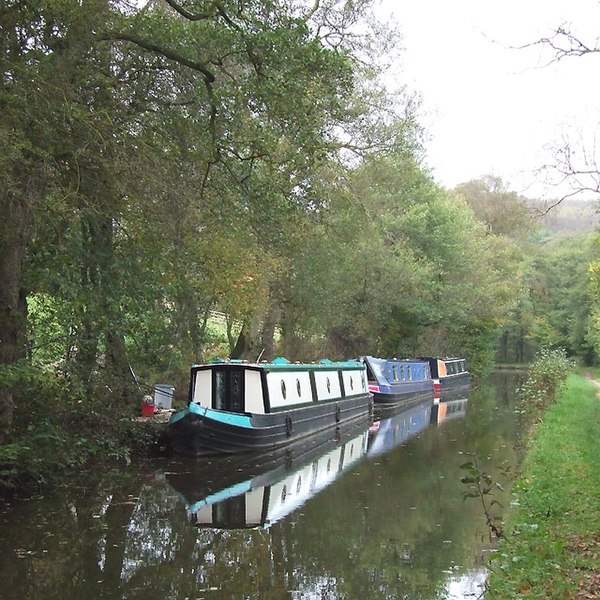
(198, 431)
(454, 386)
(403, 395)
(386, 409)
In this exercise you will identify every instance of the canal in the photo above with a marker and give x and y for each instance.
(378, 512)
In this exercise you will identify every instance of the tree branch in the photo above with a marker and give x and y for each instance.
(151, 47)
(564, 44)
(186, 14)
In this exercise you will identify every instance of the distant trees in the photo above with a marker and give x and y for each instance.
(552, 274)
(504, 212)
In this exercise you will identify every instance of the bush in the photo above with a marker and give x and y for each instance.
(58, 427)
(545, 379)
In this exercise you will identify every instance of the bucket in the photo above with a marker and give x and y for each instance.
(148, 407)
(163, 395)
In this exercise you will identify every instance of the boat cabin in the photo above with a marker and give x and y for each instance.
(242, 387)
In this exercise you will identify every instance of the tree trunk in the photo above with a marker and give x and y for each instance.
(289, 343)
(15, 225)
(268, 332)
(247, 346)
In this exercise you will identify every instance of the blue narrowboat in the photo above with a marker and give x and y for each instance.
(237, 406)
(394, 382)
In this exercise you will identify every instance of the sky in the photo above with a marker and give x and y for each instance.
(487, 106)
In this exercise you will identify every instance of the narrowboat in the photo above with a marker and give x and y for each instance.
(450, 376)
(267, 486)
(394, 382)
(237, 406)
(396, 429)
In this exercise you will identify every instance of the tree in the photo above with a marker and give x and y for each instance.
(504, 212)
(157, 159)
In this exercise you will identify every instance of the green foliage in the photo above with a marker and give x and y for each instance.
(546, 377)
(59, 427)
(555, 304)
(504, 212)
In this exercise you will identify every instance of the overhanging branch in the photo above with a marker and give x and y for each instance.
(166, 52)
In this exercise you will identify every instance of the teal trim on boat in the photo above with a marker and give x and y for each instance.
(281, 363)
(230, 492)
(286, 365)
(215, 415)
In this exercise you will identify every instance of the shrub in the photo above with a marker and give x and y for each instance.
(545, 378)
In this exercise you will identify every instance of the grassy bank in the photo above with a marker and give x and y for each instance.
(552, 548)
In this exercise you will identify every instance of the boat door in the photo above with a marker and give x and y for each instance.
(228, 389)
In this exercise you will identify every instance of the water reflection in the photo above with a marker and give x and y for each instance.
(390, 522)
(262, 489)
(265, 488)
(451, 409)
(395, 429)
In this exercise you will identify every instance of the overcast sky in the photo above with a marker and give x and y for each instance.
(488, 107)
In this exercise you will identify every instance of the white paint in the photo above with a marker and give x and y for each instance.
(290, 381)
(327, 384)
(203, 388)
(254, 400)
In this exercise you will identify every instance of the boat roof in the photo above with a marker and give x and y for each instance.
(394, 360)
(284, 364)
(444, 358)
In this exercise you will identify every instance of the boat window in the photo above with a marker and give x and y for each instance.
(351, 382)
(376, 368)
(283, 494)
(408, 373)
(237, 400)
(283, 390)
(298, 388)
(219, 392)
(395, 372)
(299, 485)
(329, 465)
(328, 386)
(402, 375)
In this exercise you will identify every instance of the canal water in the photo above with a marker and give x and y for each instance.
(377, 511)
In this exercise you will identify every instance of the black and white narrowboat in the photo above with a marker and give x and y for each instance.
(450, 376)
(268, 486)
(236, 406)
(395, 382)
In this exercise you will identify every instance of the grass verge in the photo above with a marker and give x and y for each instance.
(552, 549)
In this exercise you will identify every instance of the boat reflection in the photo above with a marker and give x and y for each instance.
(260, 490)
(257, 490)
(450, 409)
(395, 429)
